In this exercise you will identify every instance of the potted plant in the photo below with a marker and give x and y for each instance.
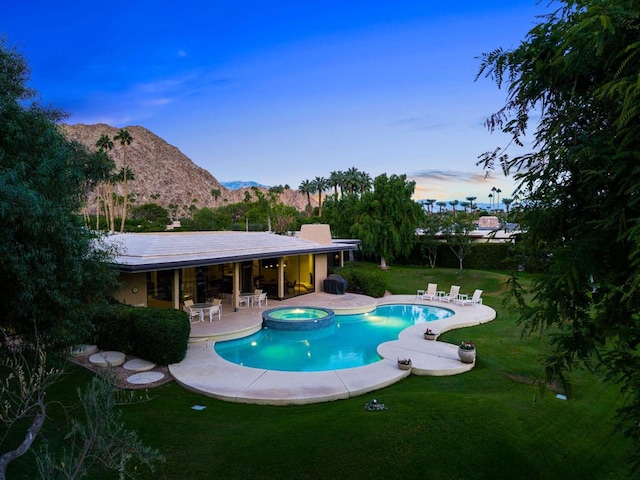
(430, 334)
(467, 351)
(404, 363)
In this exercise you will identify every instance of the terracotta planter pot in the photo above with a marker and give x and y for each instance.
(432, 336)
(467, 356)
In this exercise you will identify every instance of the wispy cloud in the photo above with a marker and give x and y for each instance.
(447, 176)
(417, 123)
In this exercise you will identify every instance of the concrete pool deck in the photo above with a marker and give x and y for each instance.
(203, 371)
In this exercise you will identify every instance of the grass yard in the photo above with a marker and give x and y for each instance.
(485, 424)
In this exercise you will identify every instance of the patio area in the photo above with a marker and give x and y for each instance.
(203, 371)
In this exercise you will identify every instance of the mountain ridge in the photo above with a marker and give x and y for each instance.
(163, 174)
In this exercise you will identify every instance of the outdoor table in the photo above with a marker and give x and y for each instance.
(249, 297)
(440, 294)
(462, 297)
(201, 308)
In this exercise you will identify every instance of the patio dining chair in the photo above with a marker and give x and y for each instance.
(215, 310)
(191, 311)
(260, 298)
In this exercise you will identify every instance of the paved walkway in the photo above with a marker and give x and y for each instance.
(203, 371)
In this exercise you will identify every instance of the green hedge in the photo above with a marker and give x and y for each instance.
(159, 335)
(483, 256)
(162, 335)
(362, 281)
(114, 327)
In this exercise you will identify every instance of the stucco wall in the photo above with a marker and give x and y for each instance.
(321, 271)
(133, 290)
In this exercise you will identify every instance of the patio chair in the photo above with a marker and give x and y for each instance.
(476, 299)
(256, 296)
(452, 295)
(216, 309)
(260, 298)
(244, 301)
(190, 311)
(431, 293)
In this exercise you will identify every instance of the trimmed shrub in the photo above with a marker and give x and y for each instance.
(114, 327)
(162, 335)
(364, 282)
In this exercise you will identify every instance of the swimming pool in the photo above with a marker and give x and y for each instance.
(351, 341)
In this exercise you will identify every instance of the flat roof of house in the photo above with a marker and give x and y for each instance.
(141, 252)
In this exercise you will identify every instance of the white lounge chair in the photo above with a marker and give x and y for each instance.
(452, 295)
(476, 299)
(431, 293)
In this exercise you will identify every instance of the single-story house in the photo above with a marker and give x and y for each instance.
(165, 269)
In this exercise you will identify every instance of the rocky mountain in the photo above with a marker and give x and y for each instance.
(163, 174)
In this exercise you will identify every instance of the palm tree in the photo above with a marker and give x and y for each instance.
(336, 179)
(507, 202)
(441, 205)
(351, 179)
(365, 182)
(125, 139)
(471, 200)
(498, 192)
(104, 144)
(465, 205)
(430, 202)
(123, 176)
(307, 188)
(490, 202)
(453, 204)
(320, 184)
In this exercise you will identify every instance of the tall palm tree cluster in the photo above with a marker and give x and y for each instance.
(107, 198)
(351, 182)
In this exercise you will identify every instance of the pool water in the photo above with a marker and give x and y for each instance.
(351, 341)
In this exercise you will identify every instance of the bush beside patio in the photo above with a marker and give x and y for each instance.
(159, 335)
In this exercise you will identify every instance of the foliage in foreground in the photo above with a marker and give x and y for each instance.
(576, 75)
(51, 262)
(100, 440)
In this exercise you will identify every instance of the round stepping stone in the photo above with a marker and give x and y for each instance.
(81, 350)
(145, 377)
(107, 359)
(138, 365)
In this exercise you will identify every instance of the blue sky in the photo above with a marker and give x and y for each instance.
(280, 92)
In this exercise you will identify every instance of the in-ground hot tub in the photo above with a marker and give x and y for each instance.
(297, 318)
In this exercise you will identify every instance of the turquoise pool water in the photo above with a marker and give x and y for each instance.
(351, 341)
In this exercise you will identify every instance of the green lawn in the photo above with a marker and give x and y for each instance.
(482, 424)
